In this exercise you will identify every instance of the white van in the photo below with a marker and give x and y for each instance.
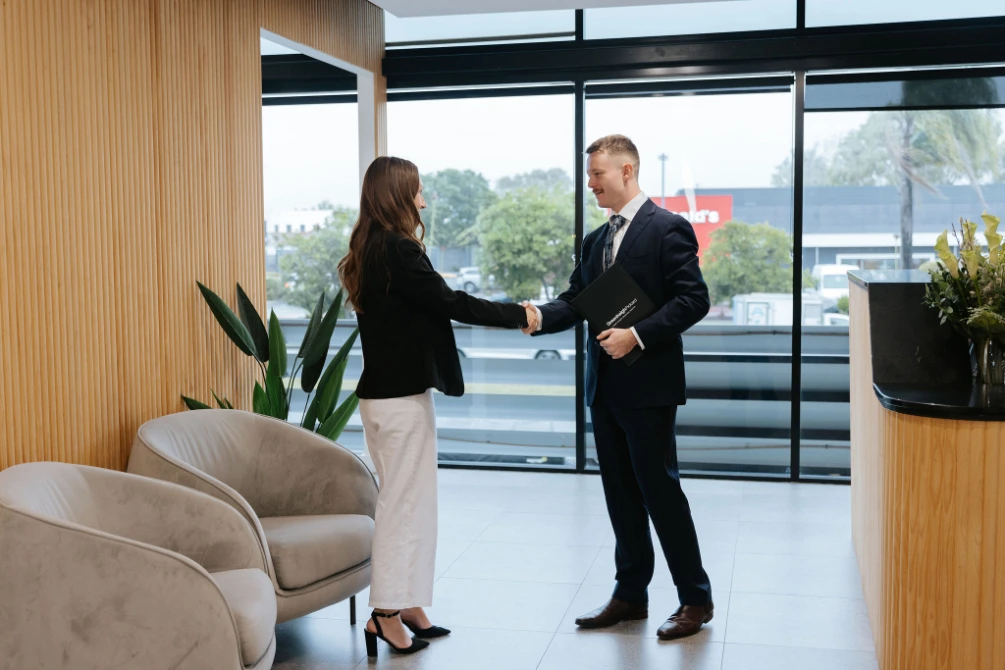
(832, 280)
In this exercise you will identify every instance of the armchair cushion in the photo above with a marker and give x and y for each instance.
(307, 549)
(250, 597)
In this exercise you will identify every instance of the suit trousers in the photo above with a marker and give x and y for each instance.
(401, 439)
(637, 452)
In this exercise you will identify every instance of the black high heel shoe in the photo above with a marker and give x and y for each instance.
(371, 638)
(427, 633)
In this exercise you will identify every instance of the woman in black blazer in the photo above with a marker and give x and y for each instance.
(404, 309)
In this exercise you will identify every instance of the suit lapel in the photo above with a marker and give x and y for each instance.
(635, 228)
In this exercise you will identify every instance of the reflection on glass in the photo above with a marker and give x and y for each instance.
(500, 223)
(699, 162)
(850, 12)
(880, 187)
(721, 16)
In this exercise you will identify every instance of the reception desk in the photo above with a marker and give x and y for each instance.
(928, 484)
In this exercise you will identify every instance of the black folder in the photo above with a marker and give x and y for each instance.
(614, 300)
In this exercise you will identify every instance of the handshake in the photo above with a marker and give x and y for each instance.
(533, 321)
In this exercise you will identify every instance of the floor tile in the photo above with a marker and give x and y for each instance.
(796, 539)
(601, 651)
(524, 562)
(476, 603)
(757, 657)
(795, 508)
(469, 648)
(544, 528)
(797, 575)
(311, 643)
(798, 621)
(461, 524)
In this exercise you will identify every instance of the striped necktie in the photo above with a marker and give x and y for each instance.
(612, 230)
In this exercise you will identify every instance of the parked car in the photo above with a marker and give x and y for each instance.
(517, 354)
(469, 279)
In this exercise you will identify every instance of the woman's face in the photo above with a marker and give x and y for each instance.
(420, 202)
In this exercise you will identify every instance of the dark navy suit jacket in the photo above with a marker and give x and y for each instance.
(660, 252)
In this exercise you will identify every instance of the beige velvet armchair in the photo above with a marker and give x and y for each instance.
(102, 569)
(310, 501)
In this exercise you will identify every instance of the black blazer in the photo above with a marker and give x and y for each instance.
(408, 341)
(660, 252)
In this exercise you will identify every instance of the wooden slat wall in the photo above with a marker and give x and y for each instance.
(928, 515)
(868, 511)
(130, 167)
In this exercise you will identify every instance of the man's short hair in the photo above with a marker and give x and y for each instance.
(616, 145)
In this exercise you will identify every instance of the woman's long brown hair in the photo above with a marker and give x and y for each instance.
(386, 206)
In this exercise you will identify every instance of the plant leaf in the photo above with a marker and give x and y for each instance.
(311, 416)
(231, 325)
(223, 404)
(317, 348)
(310, 374)
(253, 322)
(277, 346)
(260, 401)
(336, 423)
(192, 403)
(276, 391)
(329, 393)
(312, 325)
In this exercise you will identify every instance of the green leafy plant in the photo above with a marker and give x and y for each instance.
(969, 293)
(969, 290)
(273, 394)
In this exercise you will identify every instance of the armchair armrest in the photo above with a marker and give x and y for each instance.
(179, 519)
(80, 597)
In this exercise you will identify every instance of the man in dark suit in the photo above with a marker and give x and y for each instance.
(634, 408)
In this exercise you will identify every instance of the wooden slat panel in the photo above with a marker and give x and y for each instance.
(130, 167)
(928, 513)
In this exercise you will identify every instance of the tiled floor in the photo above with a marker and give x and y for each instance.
(522, 554)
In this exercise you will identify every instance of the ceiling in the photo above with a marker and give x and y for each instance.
(406, 8)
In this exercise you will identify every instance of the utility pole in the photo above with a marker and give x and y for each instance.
(663, 179)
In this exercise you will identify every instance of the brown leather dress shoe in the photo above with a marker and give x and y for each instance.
(614, 612)
(687, 620)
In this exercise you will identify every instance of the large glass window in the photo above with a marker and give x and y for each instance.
(716, 166)
(311, 187)
(500, 224)
(688, 18)
(465, 28)
(850, 12)
(880, 185)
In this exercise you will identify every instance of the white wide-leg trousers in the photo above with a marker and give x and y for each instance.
(401, 439)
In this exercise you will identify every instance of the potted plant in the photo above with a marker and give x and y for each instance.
(272, 396)
(969, 293)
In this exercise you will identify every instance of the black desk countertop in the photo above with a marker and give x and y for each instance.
(920, 367)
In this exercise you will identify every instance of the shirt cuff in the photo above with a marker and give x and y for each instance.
(540, 318)
(638, 339)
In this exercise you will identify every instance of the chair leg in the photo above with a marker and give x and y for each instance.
(352, 611)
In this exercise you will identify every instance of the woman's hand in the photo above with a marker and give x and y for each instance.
(532, 320)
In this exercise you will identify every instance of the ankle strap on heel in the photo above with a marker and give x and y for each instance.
(385, 615)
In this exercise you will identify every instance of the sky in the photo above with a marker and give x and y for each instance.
(729, 141)
(310, 151)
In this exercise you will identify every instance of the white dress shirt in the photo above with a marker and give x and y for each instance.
(628, 212)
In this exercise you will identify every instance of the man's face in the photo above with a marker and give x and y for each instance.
(609, 177)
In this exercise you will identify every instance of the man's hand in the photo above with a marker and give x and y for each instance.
(618, 342)
(532, 322)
